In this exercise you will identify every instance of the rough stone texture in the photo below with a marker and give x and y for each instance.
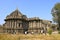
(16, 22)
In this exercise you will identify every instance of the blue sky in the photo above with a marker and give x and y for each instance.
(31, 8)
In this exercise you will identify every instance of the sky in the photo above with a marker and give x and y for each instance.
(31, 8)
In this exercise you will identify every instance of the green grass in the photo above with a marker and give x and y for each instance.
(29, 37)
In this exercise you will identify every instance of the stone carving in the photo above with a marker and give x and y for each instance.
(16, 23)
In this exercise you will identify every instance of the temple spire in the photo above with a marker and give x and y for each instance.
(17, 8)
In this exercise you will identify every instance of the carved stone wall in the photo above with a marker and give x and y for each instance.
(16, 22)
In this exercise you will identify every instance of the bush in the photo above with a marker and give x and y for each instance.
(50, 31)
(59, 32)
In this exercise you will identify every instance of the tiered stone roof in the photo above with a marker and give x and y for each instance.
(16, 15)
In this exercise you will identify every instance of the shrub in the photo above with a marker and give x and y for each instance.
(59, 32)
(50, 31)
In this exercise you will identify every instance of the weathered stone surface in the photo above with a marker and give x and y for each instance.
(16, 22)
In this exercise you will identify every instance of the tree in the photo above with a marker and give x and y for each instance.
(56, 14)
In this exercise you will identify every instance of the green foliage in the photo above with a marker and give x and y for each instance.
(50, 31)
(56, 14)
(59, 32)
(57, 6)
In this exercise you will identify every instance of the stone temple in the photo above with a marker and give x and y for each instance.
(17, 23)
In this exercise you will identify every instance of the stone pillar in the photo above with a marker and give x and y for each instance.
(39, 27)
(7, 24)
(32, 26)
(15, 23)
(40, 23)
(10, 24)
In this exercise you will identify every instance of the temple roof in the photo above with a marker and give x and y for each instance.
(15, 14)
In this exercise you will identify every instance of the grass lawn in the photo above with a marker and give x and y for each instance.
(29, 37)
